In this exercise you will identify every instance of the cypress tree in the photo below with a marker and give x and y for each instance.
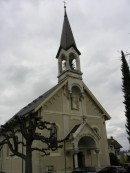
(126, 90)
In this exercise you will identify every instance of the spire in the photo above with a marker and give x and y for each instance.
(67, 38)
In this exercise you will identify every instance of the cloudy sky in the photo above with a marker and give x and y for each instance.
(30, 32)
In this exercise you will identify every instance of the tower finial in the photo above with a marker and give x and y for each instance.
(64, 4)
(65, 8)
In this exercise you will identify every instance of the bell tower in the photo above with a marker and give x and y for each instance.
(68, 54)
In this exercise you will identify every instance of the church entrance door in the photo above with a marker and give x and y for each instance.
(85, 145)
(81, 160)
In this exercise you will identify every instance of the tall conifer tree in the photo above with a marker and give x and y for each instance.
(126, 90)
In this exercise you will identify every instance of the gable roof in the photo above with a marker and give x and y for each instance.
(78, 128)
(38, 102)
(31, 106)
(34, 105)
(114, 143)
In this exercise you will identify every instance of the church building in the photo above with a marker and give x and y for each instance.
(78, 115)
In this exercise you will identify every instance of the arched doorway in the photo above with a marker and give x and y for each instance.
(85, 145)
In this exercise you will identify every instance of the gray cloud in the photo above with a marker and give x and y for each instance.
(29, 40)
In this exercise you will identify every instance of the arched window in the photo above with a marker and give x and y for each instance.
(87, 142)
(72, 62)
(75, 98)
(63, 63)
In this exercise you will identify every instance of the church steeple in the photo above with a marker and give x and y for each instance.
(67, 38)
(68, 53)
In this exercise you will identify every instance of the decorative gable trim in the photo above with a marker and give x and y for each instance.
(50, 96)
(105, 114)
(78, 128)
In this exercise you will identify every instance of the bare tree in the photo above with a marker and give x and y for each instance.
(31, 128)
